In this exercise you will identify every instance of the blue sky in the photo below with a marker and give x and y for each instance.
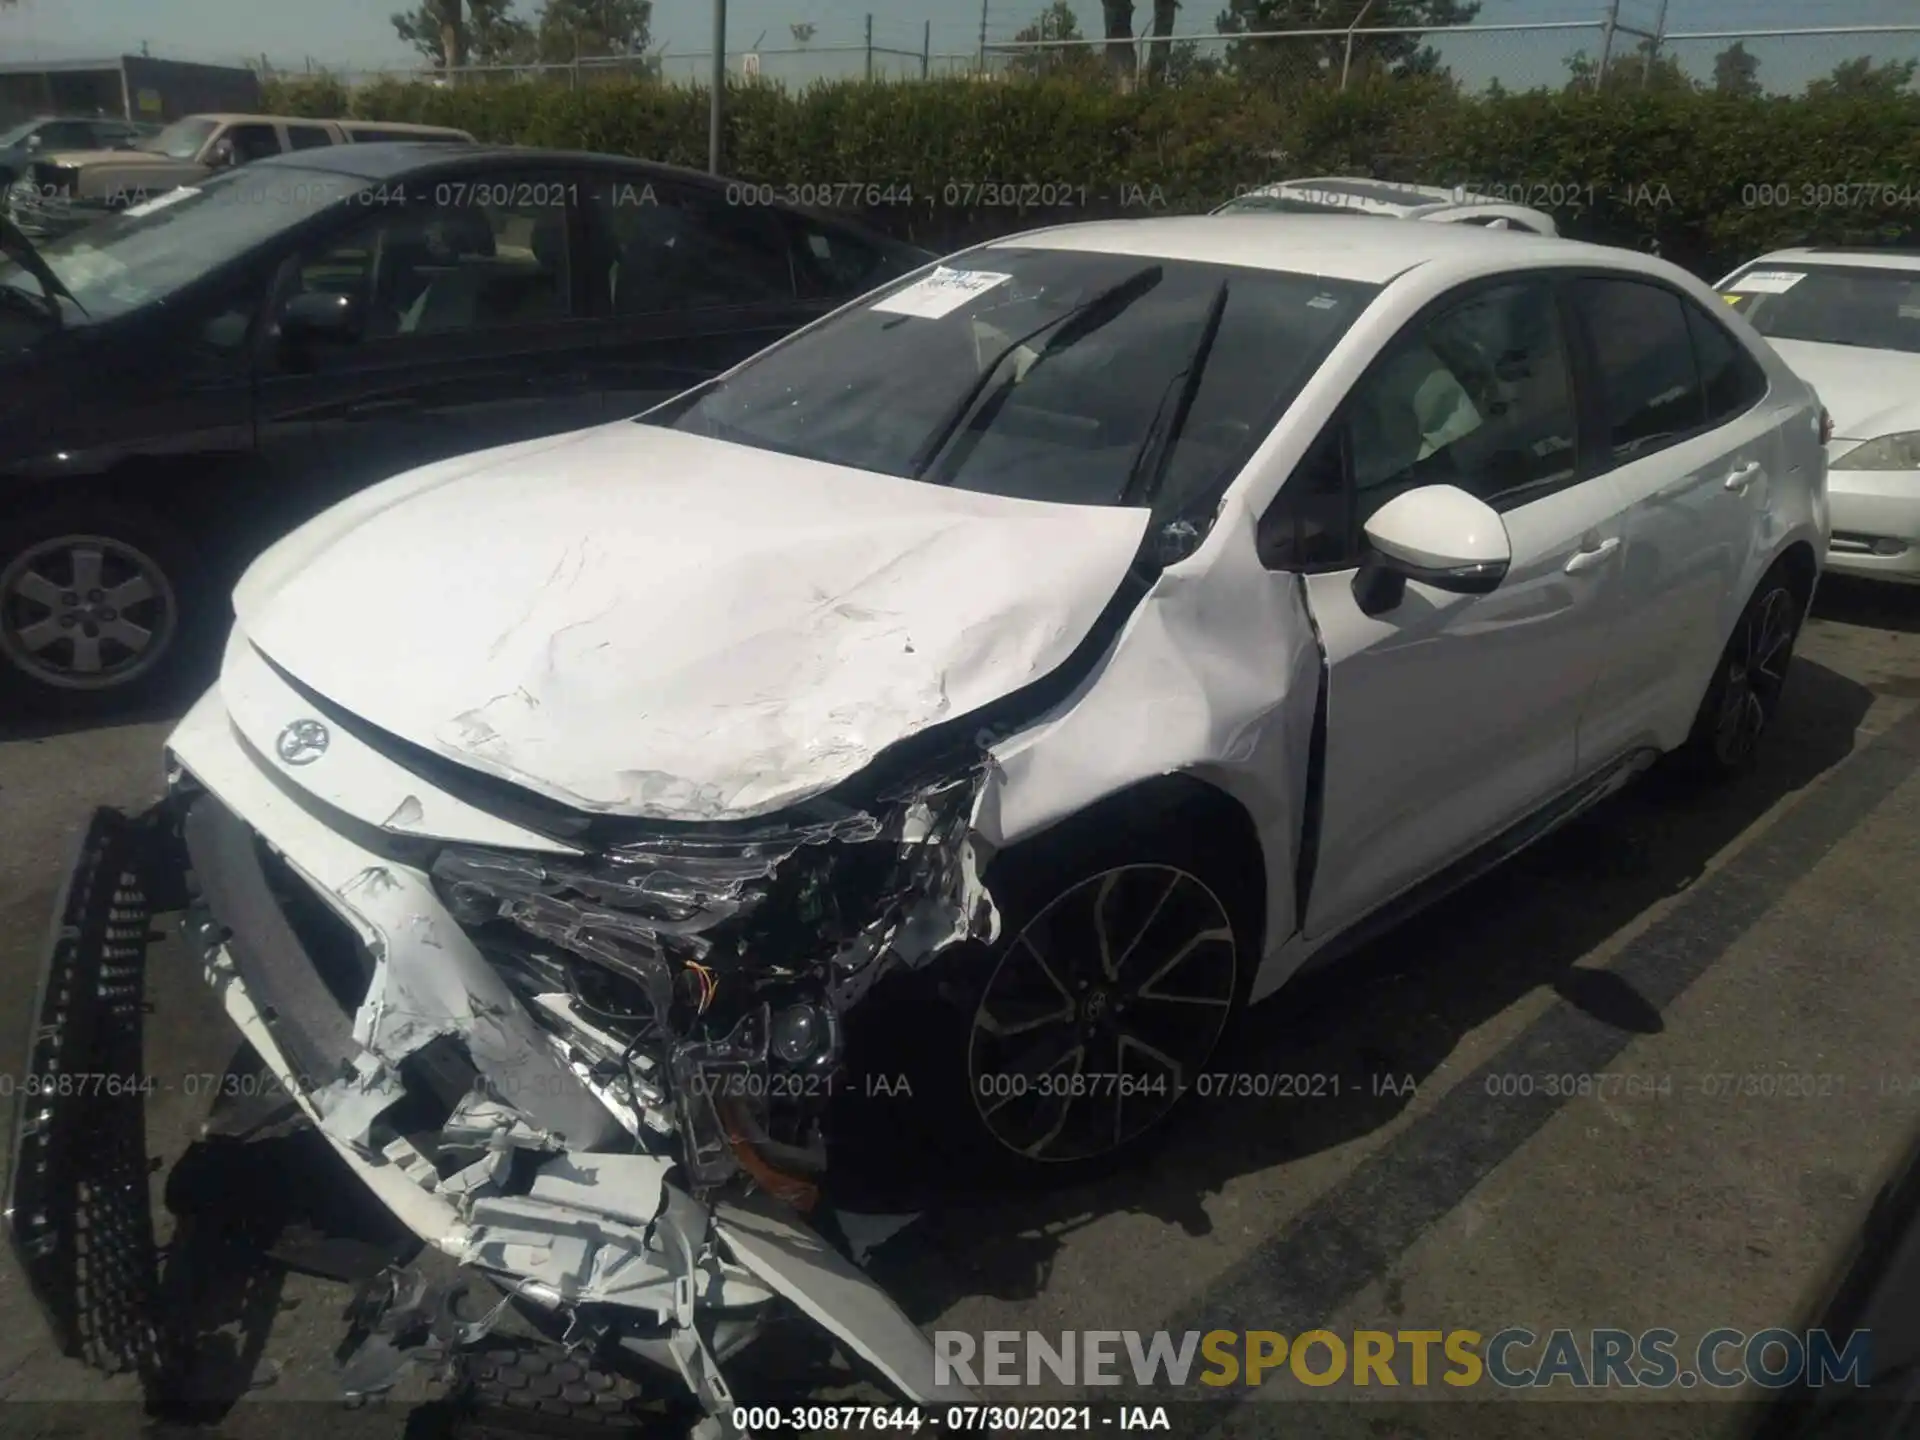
(357, 34)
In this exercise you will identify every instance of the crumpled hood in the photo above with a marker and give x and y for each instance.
(1869, 393)
(640, 622)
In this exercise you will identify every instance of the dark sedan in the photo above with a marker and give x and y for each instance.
(182, 382)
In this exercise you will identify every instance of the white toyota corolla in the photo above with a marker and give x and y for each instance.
(1053, 653)
(1848, 322)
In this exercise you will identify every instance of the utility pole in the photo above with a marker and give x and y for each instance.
(983, 35)
(719, 85)
(1653, 47)
(869, 48)
(1606, 44)
(926, 50)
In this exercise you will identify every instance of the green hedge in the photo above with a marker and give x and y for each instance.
(1712, 180)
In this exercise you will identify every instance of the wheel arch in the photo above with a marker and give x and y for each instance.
(1233, 848)
(1802, 566)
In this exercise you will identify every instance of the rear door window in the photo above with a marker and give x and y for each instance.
(832, 262)
(1649, 382)
(1733, 380)
(252, 142)
(679, 247)
(308, 137)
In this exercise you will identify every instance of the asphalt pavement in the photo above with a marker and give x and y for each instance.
(1677, 947)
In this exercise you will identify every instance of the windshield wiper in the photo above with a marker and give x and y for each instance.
(18, 248)
(1075, 324)
(1149, 465)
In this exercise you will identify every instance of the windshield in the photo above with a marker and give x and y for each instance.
(181, 140)
(1055, 375)
(12, 137)
(1831, 305)
(151, 250)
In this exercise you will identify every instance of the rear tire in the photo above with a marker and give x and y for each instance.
(102, 607)
(1745, 691)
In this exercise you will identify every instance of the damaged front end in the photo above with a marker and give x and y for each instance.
(698, 981)
(598, 1081)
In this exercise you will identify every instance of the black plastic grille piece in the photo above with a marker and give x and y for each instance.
(79, 1207)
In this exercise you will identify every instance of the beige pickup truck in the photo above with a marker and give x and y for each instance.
(63, 191)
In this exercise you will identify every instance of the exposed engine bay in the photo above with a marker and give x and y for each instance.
(699, 982)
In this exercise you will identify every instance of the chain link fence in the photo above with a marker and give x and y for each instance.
(1479, 58)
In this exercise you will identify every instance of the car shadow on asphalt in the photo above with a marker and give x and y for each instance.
(246, 1211)
(47, 723)
(1869, 604)
(1388, 1014)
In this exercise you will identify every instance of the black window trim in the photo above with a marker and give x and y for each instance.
(1605, 458)
(1578, 381)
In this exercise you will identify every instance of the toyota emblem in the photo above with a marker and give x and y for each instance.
(303, 742)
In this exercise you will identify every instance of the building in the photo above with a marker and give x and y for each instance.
(135, 87)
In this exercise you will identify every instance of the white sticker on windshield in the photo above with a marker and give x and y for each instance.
(1767, 282)
(941, 293)
(1323, 302)
(161, 202)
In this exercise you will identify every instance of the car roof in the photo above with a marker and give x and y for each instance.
(1378, 192)
(1863, 257)
(1338, 247)
(388, 159)
(228, 117)
(382, 160)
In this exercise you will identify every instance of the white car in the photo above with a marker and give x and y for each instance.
(1031, 663)
(1345, 195)
(1848, 322)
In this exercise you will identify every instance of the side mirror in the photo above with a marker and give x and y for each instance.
(1438, 535)
(319, 316)
(220, 154)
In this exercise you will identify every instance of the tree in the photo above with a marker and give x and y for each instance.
(450, 33)
(1160, 54)
(573, 28)
(1117, 16)
(1641, 68)
(1183, 62)
(803, 32)
(1056, 22)
(1324, 57)
(1863, 78)
(1736, 72)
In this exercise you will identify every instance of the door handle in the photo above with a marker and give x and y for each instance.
(368, 408)
(1594, 558)
(1743, 477)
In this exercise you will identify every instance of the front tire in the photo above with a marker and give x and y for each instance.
(1744, 694)
(1127, 948)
